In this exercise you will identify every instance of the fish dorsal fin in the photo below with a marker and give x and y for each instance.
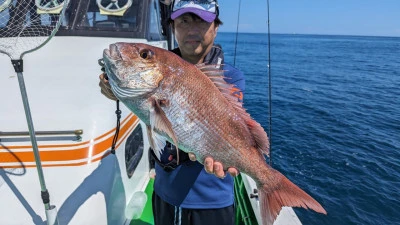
(216, 75)
(159, 122)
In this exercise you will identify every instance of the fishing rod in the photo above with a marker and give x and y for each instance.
(269, 76)
(269, 88)
(237, 32)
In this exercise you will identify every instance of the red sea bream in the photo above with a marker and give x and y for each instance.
(191, 106)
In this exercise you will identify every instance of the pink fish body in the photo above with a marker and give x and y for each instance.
(192, 107)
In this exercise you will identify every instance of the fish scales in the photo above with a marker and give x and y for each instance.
(190, 106)
(199, 132)
(196, 108)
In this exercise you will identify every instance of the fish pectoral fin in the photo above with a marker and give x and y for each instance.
(157, 142)
(160, 122)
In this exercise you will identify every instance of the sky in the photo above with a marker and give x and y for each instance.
(337, 17)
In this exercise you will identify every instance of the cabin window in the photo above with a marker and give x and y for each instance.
(106, 15)
(134, 150)
(155, 21)
(91, 18)
(95, 19)
(19, 15)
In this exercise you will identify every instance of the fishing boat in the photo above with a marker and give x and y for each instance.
(94, 153)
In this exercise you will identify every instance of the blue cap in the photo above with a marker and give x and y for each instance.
(205, 9)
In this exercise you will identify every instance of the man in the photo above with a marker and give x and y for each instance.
(189, 193)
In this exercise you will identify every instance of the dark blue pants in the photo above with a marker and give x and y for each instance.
(166, 214)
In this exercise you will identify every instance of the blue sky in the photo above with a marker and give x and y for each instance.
(343, 17)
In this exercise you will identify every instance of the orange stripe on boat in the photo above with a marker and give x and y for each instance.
(78, 153)
(128, 118)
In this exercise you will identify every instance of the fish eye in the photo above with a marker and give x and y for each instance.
(146, 54)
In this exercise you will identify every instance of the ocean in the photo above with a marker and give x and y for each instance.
(335, 118)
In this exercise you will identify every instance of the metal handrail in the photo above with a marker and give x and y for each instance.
(38, 133)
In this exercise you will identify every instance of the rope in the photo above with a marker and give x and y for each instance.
(115, 139)
(117, 112)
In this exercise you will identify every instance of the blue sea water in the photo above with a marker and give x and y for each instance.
(335, 118)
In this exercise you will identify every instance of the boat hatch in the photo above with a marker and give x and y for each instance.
(134, 150)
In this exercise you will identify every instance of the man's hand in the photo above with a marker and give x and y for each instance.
(105, 87)
(215, 167)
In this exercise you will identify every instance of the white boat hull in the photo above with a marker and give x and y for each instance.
(86, 183)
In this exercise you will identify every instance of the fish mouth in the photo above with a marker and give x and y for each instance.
(112, 57)
(112, 52)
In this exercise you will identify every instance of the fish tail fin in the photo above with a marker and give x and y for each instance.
(285, 193)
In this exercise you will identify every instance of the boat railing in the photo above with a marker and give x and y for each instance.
(61, 135)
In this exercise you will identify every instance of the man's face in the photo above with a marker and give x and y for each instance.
(195, 36)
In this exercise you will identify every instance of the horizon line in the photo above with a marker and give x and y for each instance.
(358, 35)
